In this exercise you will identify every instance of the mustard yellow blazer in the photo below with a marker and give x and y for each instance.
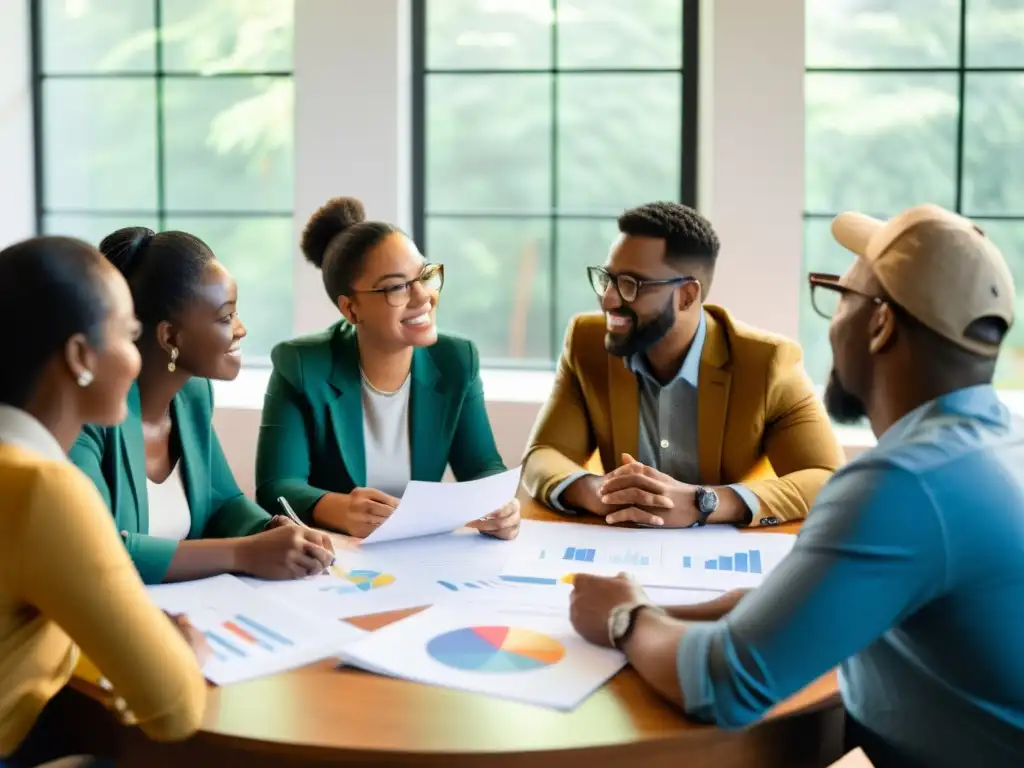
(760, 422)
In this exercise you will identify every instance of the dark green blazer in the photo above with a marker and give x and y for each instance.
(115, 459)
(311, 438)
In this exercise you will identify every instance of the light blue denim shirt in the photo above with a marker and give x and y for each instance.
(668, 423)
(909, 573)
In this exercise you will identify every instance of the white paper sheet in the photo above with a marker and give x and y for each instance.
(709, 559)
(432, 508)
(392, 576)
(525, 653)
(251, 635)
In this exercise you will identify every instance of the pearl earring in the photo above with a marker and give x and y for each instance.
(84, 379)
(174, 356)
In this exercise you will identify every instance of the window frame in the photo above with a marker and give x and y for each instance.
(159, 76)
(689, 71)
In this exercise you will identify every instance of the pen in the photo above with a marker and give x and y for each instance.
(290, 513)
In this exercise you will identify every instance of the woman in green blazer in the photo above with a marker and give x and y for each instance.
(353, 413)
(162, 471)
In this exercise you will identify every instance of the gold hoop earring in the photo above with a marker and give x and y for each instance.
(171, 366)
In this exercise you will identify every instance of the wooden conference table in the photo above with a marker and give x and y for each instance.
(319, 715)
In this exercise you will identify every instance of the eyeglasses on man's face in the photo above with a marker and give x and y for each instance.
(827, 293)
(628, 287)
(430, 279)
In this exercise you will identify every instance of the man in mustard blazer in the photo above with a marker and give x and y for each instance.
(701, 418)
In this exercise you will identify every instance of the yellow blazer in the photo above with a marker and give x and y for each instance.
(760, 421)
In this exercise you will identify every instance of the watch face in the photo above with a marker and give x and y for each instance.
(707, 500)
(620, 622)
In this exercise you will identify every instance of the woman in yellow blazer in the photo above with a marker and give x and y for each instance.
(66, 581)
(162, 471)
(354, 413)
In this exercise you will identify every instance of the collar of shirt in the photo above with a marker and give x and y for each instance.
(978, 403)
(689, 370)
(23, 430)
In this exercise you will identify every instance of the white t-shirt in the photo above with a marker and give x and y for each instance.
(386, 438)
(169, 513)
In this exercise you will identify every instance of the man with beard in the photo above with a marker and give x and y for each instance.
(909, 572)
(722, 420)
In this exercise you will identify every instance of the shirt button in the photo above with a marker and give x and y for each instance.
(664, 443)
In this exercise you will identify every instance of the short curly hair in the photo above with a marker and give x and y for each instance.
(688, 236)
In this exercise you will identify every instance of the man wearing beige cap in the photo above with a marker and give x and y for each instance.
(909, 572)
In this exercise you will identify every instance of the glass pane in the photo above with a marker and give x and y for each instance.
(94, 227)
(497, 288)
(582, 243)
(995, 33)
(880, 143)
(619, 140)
(882, 33)
(488, 143)
(99, 144)
(612, 34)
(259, 254)
(821, 254)
(1009, 236)
(228, 35)
(229, 144)
(97, 36)
(488, 34)
(994, 144)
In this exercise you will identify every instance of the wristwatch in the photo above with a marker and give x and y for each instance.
(707, 503)
(622, 620)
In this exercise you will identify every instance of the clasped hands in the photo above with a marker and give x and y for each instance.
(637, 493)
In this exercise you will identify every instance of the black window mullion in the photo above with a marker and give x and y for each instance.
(961, 92)
(553, 336)
(38, 160)
(158, 47)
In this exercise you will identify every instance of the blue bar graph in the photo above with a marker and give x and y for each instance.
(579, 554)
(686, 562)
(740, 562)
(529, 580)
(261, 629)
(217, 640)
(448, 585)
(471, 585)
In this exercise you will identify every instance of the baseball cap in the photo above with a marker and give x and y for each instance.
(938, 266)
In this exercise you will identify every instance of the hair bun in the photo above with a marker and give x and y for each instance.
(334, 217)
(123, 247)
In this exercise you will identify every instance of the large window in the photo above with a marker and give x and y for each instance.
(912, 101)
(173, 114)
(536, 123)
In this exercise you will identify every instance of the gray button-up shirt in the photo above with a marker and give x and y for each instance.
(668, 423)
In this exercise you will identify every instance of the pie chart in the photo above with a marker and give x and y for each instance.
(495, 649)
(359, 581)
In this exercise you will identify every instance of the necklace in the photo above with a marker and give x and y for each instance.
(381, 392)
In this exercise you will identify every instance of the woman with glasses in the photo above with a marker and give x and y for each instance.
(355, 412)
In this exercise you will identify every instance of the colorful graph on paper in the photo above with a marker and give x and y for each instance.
(547, 553)
(495, 649)
(454, 585)
(740, 562)
(239, 636)
(358, 581)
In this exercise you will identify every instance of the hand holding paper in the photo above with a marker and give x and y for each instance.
(427, 509)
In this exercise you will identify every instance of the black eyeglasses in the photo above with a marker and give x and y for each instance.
(628, 286)
(826, 293)
(431, 278)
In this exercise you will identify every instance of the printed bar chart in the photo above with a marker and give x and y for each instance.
(686, 561)
(740, 562)
(580, 554)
